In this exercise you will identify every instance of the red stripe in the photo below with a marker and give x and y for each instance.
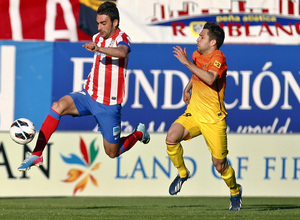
(5, 25)
(96, 70)
(122, 67)
(265, 11)
(33, 16)
(291, 8)
(280, 6)
(116, 35)
(87, 83)
(96, 78)
(107, 85)
(60, 23)
(121, 83)
(242, 6)
(124, 37)
(162, 12)
(97, 38)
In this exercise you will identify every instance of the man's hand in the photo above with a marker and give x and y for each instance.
(181, 55)
(91, 46)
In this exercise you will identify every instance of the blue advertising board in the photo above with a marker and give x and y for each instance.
(27, 67)
(262, 94)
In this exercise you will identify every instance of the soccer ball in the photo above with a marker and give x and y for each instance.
(22, 131)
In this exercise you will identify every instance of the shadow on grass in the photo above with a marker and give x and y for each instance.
(132, 207)
(106, 207)
(185, 206)
(270, 207)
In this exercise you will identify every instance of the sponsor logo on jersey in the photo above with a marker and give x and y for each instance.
(116, 130)
(217, 64)
(187, 114)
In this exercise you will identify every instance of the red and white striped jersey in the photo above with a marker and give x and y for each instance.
(106, 81)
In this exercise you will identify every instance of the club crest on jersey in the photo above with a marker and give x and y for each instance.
(111, 43)
(217, 64)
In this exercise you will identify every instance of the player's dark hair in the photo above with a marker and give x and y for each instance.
(110, 9)
(215, 32)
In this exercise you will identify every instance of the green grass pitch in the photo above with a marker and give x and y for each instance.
(147, 208)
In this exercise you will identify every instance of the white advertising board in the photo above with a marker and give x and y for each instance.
(181, 21)
(75, 164)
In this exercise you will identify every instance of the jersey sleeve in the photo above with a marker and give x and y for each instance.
(194, 57)
(218, 64)
(124, 39)
(95, 36)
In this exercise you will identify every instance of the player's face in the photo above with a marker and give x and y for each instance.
(105, 26)
(203, 42)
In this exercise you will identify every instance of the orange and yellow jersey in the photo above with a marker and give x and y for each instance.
(207, 102)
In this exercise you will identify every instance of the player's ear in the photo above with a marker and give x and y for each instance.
(116, 23)
(213, 43)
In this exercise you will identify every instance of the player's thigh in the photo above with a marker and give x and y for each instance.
(185, 127)
(108, 118)
(176, 133)
(216, 138)
(65, 106)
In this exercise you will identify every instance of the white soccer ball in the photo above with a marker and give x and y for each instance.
(22, 131)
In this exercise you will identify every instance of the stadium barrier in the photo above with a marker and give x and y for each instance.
(262, 92)
(75, 164)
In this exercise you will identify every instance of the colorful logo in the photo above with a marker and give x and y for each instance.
(87, 162)
(217, 64)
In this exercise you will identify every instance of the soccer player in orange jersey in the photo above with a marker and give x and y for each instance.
(205, 113)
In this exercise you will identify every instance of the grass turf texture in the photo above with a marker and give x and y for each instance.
(147, 208)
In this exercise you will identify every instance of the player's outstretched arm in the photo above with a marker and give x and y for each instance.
(90, 46)
(120, 51)
(208, 77)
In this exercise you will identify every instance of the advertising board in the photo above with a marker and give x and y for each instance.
(75, 164)
(262, 93)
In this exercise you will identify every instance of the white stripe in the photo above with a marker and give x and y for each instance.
(101, 79)
(285, 7)
(15, 19)
(115, 81)
(7, 85)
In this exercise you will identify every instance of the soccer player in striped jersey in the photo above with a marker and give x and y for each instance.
(103, 91)
(205, 113)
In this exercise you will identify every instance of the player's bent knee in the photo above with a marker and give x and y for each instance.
(111, 154)
(176, 134)
(221, 167)
(172, 138)
(55, 106)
